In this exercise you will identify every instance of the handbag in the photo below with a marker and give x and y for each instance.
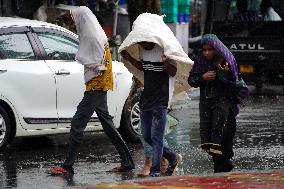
(241, 91)
(240, 88)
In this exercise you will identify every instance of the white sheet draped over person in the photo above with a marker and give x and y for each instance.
(151, 28)
(154, 56)
(92, 42)
(94, 54)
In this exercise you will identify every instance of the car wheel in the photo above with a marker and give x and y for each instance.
(5, 129)
(130, 121)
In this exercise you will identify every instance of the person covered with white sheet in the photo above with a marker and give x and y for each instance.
(158, 71)
(154, 56)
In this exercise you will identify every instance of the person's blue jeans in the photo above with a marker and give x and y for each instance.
(153, 123)
(148, 151)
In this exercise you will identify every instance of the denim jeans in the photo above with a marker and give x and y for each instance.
(153, 124)
(95, 101)
(148, 151)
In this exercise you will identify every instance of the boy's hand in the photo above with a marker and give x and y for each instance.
(133, 61)
(170, 69)
(125, 55)
(167, 65)
(164, 58)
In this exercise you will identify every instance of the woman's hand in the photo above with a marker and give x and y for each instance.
(224, 67)
(209, 76)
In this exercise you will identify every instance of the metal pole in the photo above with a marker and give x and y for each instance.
(115, 18)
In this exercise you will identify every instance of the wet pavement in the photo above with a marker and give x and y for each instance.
(249, 180)
(258, 148)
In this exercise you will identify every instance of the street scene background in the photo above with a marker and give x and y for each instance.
(260, 125)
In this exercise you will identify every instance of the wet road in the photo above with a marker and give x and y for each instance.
(259, 145)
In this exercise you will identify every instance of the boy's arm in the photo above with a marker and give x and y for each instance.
(137, 64)
(169, 68)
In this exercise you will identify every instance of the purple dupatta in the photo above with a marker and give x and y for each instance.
(224, 52)
(202, 65)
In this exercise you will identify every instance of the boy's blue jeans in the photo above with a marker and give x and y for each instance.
(153, 123)
(148, 151)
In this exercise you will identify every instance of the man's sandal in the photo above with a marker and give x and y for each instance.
(57, 171)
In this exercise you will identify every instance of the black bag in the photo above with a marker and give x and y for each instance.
(241, 90)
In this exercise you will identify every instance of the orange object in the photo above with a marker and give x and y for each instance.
(108, 30)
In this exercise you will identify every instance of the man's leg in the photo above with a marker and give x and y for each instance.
(100, 99)
(85, 110)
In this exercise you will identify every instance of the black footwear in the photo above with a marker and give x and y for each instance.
(222, 165)
(228, 166)
(170, 170)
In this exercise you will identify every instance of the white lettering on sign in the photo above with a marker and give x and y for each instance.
(246, 46)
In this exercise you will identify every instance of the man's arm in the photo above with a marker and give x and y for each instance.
(137, 64)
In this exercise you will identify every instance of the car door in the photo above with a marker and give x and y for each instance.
(61, 48)
(27, 83)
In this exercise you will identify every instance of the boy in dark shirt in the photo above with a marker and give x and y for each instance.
(158, 86)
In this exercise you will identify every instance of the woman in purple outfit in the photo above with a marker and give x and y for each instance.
(215, 72)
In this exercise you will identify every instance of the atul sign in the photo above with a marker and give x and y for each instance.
(250, 47)
(246, 46)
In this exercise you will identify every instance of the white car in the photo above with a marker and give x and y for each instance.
(42, 84)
